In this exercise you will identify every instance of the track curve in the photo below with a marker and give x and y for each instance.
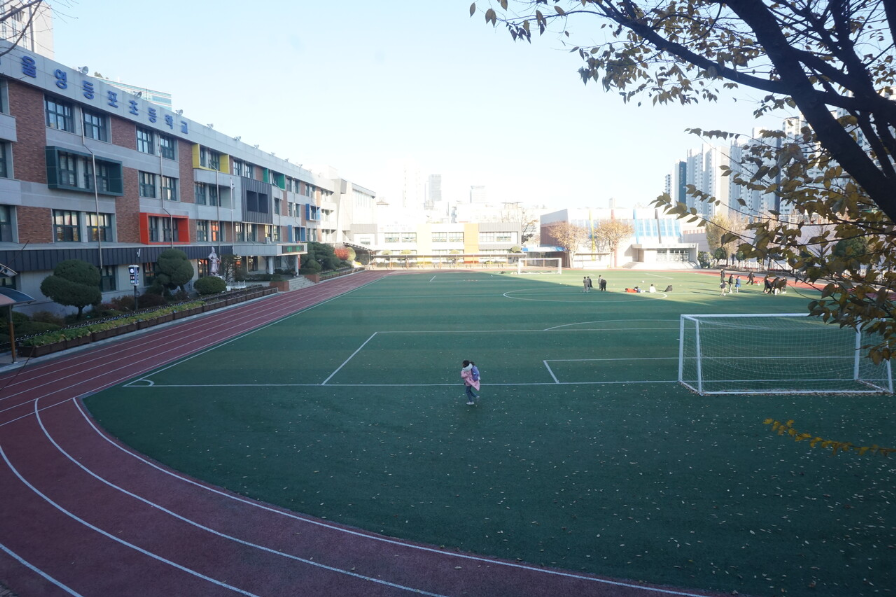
(84, 515)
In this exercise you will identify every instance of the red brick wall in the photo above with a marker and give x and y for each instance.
(27, 105)
(185, 162)
(127, 209)
(124, 132)
(35, 224)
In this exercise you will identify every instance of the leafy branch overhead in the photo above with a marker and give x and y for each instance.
(826, 59)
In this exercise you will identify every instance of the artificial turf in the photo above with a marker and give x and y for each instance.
(616, 470)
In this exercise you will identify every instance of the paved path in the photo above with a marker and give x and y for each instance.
(82, 514)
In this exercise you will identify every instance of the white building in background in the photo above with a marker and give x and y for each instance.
(657, 241)
(31, 28)
(433, 192)
(478, 194)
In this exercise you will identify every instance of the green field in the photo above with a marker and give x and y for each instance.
(583, 453)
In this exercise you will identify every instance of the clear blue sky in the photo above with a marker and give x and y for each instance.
(359, 85)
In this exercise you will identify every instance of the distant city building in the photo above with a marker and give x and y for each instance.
(31, 28)
(478, 195)
(433, 191)
(159, 98)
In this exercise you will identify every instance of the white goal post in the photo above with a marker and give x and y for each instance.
(776, 353)
(539, 265)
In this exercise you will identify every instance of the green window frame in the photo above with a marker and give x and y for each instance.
(147, 185)
(169, 188)
(145, 141)
(66, 226)
(95, 126)
(99, 227)
(73, 171)
(108, 281)
(59, 114)
(166, 146)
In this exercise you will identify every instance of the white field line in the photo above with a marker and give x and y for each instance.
(137, 548)
(218, 533)
(37, 570)
(348, 359)
(551, 372)
(244, 334)
(383, 540)
(566, 325)
(392, 385)
(614, 359)
(433, 278)
(653, 295)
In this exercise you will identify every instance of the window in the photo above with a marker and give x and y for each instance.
(99, 228)
(214, 197)
(95, 126)
(59, 114)
(497, 237)
(73, 171)
(144, 141)
(169, 230)
(239, 233)
(202, 227)
(166, 146)
(248, 170)
(455, 237)
(209, 158)
(440, 237)
(107, 278)
(4, 163)
(6, 224)
(408, 237)
(66, 227)
(277, 205)
(206, 194)
(199, 193)
(102, 176)
(251, 232)
(147, 184)
(68, 170)
(275, 234)
(149, 273)
(169, 188)
(391, 237)
(215, 232)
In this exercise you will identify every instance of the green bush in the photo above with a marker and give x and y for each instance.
(74, 283)
(47, 317)
(209, 285)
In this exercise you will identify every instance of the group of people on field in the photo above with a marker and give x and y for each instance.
(771, 285)
(587, 285)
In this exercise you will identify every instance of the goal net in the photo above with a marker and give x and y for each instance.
(539, 265)
(787, 353)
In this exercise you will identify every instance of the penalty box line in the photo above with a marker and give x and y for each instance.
(397, 385)
(557, 381)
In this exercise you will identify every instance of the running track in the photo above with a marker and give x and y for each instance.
(81, 514)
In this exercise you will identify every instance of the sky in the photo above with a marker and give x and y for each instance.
(363, 86)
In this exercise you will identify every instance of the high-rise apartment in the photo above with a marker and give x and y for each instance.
(29, 26)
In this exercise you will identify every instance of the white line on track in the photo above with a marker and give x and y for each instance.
(376, 538)
(137, 548)
(217, 533)
(37, 570)
(174, 337)
(104, 362)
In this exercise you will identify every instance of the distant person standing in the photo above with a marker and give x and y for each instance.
(730, 282)
(603, 284)
(589, 284)
(737, 284)
(466, 374)
(751, 279)
(722, 276)
(585, 284)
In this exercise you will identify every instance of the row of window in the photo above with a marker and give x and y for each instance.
(69, 226)
(147, 185)
(60, 115)
(450, 237)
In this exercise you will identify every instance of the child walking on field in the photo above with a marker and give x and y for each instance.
(470, 375)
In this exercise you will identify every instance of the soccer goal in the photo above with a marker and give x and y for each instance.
(784, 353)
(539, 265)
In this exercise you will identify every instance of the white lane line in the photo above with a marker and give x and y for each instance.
(397, 385)
(348, 359)
(551, 372)
(116, 539)
(33, 568)
(217, 533)
(384, 540)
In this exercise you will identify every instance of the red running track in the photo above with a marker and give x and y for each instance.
(81, 514)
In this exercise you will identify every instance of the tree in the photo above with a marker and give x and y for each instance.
(832, 61)
(569, 236)
(526, 218)
(611, 233)
(829, 180)
(24, 13)
(716, 228)
(174, 270)
(74, 283)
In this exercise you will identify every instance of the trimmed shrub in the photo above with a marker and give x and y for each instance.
(148, 299)
(45, 317)
(74, 283)
(209, 285)
(123, 303)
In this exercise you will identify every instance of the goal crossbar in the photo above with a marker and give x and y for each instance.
(776, 353)
(540, 265)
